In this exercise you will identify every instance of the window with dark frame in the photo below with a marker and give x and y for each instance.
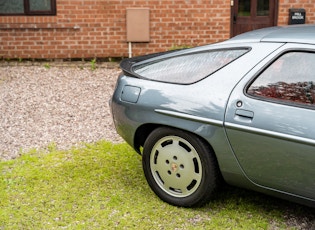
(289, 79)
(27, 7)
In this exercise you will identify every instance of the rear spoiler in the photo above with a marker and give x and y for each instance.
(126, 64)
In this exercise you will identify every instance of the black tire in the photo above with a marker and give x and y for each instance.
(180, 167)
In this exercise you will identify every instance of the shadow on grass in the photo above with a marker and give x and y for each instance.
(233, 199)
(294, 215)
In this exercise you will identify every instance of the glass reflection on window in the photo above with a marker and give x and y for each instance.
(36, 5)
(290, 78)
(11, 7)
(189, 68)
(244, 8)
(262, 7)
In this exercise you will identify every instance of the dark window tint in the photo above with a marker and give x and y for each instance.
(290, 78)
(27, 7)
(262, 7)
(189, 68)
(244, 8)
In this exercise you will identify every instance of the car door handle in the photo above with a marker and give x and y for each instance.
(244, 115)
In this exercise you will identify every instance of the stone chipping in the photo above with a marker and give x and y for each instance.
(44, 104)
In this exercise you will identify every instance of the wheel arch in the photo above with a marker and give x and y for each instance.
(144, 131)
(142, 134)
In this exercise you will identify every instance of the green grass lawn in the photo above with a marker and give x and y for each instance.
(101, 186)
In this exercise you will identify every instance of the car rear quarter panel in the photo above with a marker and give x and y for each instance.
(198, 108)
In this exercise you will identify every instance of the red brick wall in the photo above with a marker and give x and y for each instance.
(97, 28)
(285, 5)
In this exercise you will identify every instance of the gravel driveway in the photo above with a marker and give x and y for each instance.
(64, 104)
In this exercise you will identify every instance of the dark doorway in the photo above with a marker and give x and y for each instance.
(252, 14)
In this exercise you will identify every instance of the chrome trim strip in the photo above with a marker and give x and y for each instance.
(189, 117)
(283, 136)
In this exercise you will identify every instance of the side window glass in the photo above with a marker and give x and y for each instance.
(27, 7)
(291, 78)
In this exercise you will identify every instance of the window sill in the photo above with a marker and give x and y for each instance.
(36, 26)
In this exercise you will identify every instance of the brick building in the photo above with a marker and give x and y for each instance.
(70, 29)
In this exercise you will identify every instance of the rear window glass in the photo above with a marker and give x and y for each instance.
(189, 68)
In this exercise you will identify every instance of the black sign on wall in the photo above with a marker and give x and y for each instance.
(296, 16)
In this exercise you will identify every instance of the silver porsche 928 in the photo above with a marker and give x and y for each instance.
(242, 111)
